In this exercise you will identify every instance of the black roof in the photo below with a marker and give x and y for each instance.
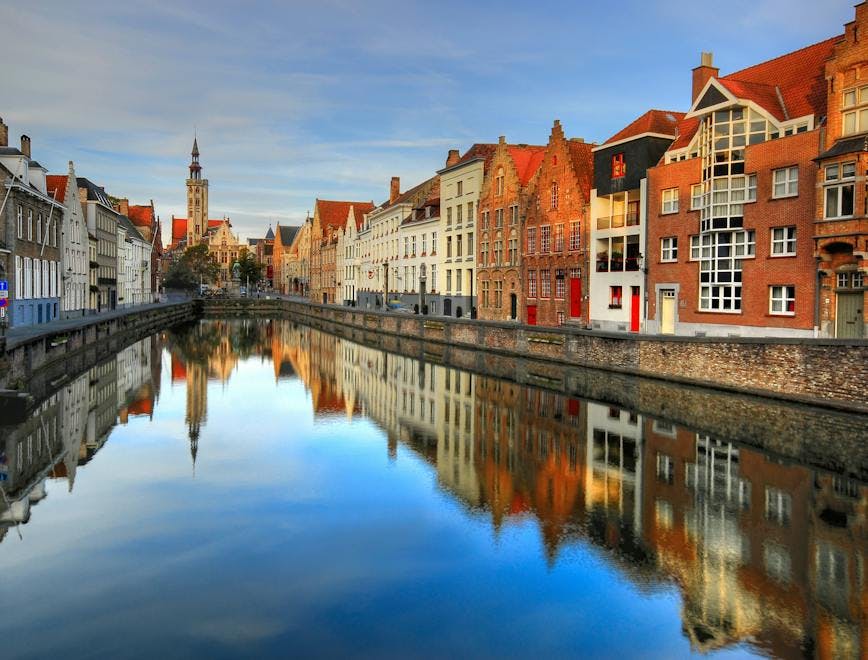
(846, 146)
(95, 193)
(287, 234)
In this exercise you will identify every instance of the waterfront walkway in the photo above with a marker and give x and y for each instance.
(21, 335)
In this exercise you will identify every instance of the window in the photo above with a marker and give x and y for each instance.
(559, 238)
(406, 246)
(778, 506)
(670, 200)
(560, 284)
(855, 119)
(20, 222)
(459, 189)
(499, 181)
(469, 211)
(433, 277)
(513, 251)
(449, 217)
(786, 182)
(531, 240)
(850, 280)
(696, 197)
(448, 280)
(485, 219)
(459, 210)
(29, 225)
(531, 284)
(669, 249)
(575, 236)
(458, 251)
(498, 294)
(424, 243)
(545, 241)
(665, 469)
(433, 242)
(839, 197)
(615, 297)
(619, 167)
(782, 300)
(513, 214)
(484, 285)
(554, 195)
(783, 241)
(695, 248)
(498, 218)
(483, 253)
(562, 318)
(470, 244)
(545, 281)
(448, 247)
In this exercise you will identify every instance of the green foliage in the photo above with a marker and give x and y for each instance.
(198, 260)
(179, 276)
(250, 268)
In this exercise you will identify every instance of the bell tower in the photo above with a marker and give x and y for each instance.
(197, 200)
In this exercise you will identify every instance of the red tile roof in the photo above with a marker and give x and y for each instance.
(179, 227)
(685, 129)
(527, 160)
(477, 150)
(141, 215)
(334, 214)
(582, 160)
(662, 122)
(56, 186)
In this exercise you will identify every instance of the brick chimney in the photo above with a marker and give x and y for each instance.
(453, 157)
(501, 139)
(123, 206)
(4, 134)
(702, 74)
(557, 129)
(394, 189)
(25, 145)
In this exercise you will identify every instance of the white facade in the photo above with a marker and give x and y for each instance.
(134, 266)
(74, 253)
(617, 281)
(347, 265)
(418, 237)
(460, 187)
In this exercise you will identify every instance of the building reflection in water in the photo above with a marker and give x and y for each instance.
(761, 550)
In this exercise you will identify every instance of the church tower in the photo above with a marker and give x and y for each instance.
(197, 200)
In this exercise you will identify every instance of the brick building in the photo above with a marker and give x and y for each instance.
(732, 206)
(502, 209)
(841, 225)
(329, 217)
(555, 255)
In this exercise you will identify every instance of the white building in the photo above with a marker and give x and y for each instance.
(619, 200)
(460, 186)
(349, 256)
(74, 266)
(418, 238)
(134, 265)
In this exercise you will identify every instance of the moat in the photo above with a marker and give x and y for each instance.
(260, 488)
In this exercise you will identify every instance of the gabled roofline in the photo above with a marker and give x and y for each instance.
(712, 82)
(461, 164)
(601, 147)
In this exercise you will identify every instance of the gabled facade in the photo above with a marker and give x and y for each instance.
(417, 246)
(147, 224)
(618, 219)
(502, 210)
(102, 223)
(30, 221)
(134, 265)
(329, 218)
(295, 262)
(225, 249)
(731, 207)
(74, 265)
(555, 256)
(460, 187)
(349, 248)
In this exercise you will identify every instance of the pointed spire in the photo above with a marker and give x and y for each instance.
(195, 151)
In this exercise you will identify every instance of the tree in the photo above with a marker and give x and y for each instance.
(179, 276)
(198, 261)
(250, 268)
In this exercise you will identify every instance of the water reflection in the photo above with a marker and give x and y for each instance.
(762, 551)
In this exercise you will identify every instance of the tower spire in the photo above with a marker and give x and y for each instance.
(195, 168)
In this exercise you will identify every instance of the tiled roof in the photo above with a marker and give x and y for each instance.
(141, 215)
(685, 129)
(359, 215)
(56, 186)
(582, 160)
(334, 214)
(179, 229)
(662, 122)
(477, 150)
(527, 160)
(270, 235)
(431, 201)
(95, 193)
(287, 234)
(765, 96)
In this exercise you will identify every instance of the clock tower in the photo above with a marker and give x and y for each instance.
(197, 200)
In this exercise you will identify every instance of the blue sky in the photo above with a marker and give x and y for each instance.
(298, 100)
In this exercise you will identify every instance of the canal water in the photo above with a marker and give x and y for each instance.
(240, 489)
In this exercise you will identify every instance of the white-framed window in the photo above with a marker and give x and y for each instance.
(575, 235)
(554, 199)
(840, 189)
(785, 182)
(783, 241)
(531, 240)
(670, 200)
(855, 117)
(669, 248)
(29, 224)
(545, 242)
(459, 188)
(20, 221)
(545, 279)
(696, 247)
(782, 300)
(696, 197)
(531, 284)
(779, 505)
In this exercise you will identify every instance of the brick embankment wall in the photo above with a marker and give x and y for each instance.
(826, 372)
(36, 363)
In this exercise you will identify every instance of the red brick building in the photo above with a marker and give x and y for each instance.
(757, 215)
(555, 255)
(329, 217)
(502, 209)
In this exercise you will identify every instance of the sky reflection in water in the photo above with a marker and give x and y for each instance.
(344, 501)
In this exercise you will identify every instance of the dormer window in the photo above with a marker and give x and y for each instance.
(619, 167)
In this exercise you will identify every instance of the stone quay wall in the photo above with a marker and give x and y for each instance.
(36, 363)
(827, 372)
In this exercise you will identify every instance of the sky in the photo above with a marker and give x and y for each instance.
(294, 101)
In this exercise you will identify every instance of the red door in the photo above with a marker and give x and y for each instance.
(575, 297)
(634, 309)
(531, 314)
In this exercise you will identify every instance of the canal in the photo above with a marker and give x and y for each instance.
(259, 488)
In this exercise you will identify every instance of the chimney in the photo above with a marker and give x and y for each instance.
(4, 134)
(702, 74)
(501, 139)
(123, 206)
(394, 189)
(25, 145)
(452, 158)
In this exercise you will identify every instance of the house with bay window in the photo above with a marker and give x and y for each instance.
(618, 220)
(731, 207)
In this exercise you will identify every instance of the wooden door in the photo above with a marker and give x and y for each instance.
(849, 321)
(531, 314)
(635, 306)
(575, 297)
(667, 311)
